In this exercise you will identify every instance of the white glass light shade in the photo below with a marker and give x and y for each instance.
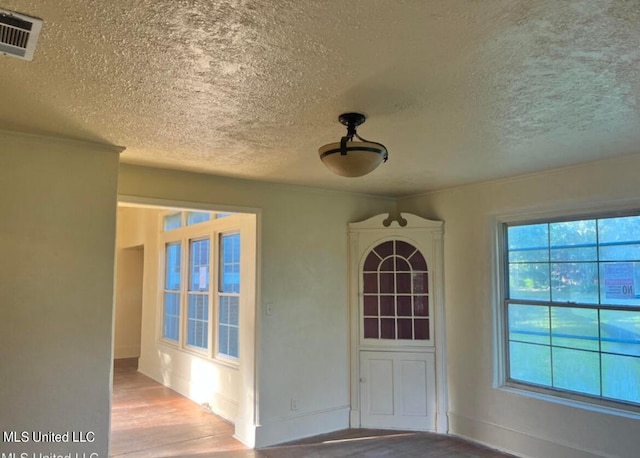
(361, 158)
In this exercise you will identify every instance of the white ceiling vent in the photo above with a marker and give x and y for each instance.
(18, 34)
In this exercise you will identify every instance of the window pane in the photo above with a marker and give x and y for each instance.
(171, 316)
(418, 262)
(234, 343)
(199, 265)
(172, 221)
(619, 238)
(197, 217)
(224, 310)
(621, 377)
(420, 283)
(528, 243)
(421, 329)
(574, 282)
(387, 306)
(403, 306)
(575, 328)
(230, 263)
(403, 283)
(228, 325)
(172, 267)
(387, 328)
(576, 370)
(529, 323)
(370, 306)
(620, 332)
(372, 262)
(223, 340)
(234, 310)
(421, 305)
(405, 328)
(530, 363)
(529, 281)
(198, 320)
(620, 283)
(573, 241)
(371, 328)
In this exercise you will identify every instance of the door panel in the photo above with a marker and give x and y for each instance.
(397, 390)
(381, 386)
(413, 393)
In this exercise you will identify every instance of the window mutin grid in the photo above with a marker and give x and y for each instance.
(395, 293)
(572, 314)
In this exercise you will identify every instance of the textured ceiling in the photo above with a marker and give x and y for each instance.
(459, 91)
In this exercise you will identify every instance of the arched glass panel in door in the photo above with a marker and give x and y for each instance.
(395, 286)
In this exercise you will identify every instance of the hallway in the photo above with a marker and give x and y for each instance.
(151, 421)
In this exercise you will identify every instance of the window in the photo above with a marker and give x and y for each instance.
(572, 307)
(172, 221)
(201, 311)
(229, 295)
(198, 314)
(197, 217)
(177, 220)
(172, 291)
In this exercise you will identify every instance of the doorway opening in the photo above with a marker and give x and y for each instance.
(186, 285)
(128, 307)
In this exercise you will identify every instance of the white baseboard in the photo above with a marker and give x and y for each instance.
(515, 442)
(277, 431)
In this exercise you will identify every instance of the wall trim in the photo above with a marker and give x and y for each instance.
(514, 441)
(305, 424)
(48, 139)
(525, 176)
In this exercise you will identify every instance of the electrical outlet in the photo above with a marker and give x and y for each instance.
(294, 404)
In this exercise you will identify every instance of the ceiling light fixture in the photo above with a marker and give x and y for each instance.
(353, 159)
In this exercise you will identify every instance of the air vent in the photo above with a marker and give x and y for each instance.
(18, 34)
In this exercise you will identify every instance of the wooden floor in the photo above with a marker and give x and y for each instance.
(150, 420)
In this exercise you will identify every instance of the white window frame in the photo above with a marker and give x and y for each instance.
(502, 381)
(184, 235)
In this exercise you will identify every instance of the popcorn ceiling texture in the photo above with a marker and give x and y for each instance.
(459, 91)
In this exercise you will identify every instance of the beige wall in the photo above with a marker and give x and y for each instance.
(128, 303)
(524, 425)
(57, 231)
(136, 241)
(303, 275)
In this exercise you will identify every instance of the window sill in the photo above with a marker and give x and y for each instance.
(569, 401)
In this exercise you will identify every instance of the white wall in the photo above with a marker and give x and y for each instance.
(57, 239)
(303, 347)
(524, 425)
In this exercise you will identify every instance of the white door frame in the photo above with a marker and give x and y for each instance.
(363, 236)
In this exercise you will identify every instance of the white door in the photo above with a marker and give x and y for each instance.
(397, 390)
